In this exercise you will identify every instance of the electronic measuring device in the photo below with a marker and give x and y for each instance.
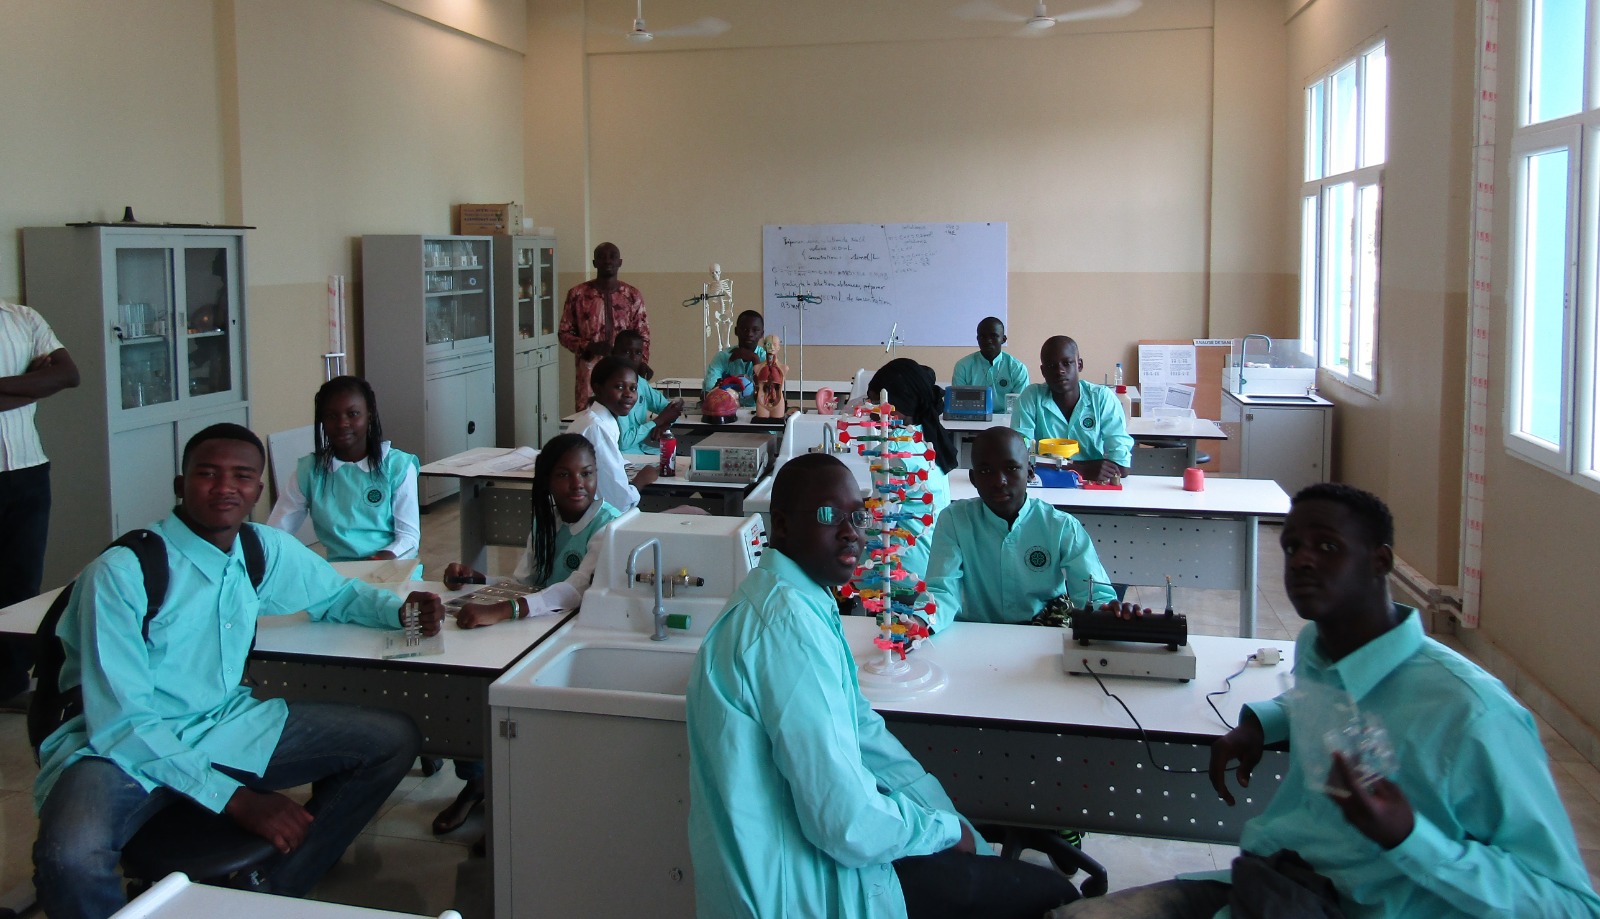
(727, 457)
(968, 403)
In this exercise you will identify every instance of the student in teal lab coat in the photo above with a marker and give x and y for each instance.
(801, 801)
(1000, 557)
(1466, 822)
(741, 359)
(989, 366)
(640, 431)
(1066, 406)
(360, 492)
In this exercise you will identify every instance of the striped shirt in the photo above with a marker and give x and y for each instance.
(24, 337)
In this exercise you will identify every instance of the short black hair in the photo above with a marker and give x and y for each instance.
(625, 334)
(753, 315)
(1368, 509)
(1065, 340)
(994, 319)
(792, 481)
(224, 431)
(605, 369)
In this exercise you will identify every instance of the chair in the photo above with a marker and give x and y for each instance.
(1068, 858)
(208, 847)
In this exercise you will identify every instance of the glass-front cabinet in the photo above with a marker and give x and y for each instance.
(154, 318)
(527, 352)
(175, 324)
(428, 340)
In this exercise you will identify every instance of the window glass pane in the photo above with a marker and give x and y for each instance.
(1375, 107)
(1314, 94)
(1342, 120)
(1338, 264)
(1555, 71)
(1308, 273)
(1544, 290)
(1367, 283)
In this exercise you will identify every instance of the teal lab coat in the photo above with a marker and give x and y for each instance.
(636, 427)
(800, 798)
(1097, 422)
(982, 570)
(1005, 375)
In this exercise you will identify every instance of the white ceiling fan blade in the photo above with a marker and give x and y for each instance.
(701, 28)
(986, 11)
(1109, 10)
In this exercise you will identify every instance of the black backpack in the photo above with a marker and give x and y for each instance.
(53, 706)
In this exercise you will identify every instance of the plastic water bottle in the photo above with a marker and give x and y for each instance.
(1125, 400)
(1116, 375)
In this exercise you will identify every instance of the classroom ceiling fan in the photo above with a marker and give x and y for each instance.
(701, 28)
(1041, 22)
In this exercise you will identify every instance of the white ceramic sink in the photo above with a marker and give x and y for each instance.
(602, 672)
(618, 669)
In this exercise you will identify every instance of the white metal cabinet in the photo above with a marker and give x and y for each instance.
(428, 333)
(1288, 439)
(154, 319)
(525, 341)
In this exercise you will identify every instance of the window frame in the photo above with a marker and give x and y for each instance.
(1317, 316)
(1577, 457)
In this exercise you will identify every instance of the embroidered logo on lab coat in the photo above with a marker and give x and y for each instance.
(1005, 382)
(1037, 558)
(374, 496)
(1088, 420)
(573, 559)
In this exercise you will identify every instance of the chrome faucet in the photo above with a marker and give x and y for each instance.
(1244, 354)
(828, 437)
(659, 611)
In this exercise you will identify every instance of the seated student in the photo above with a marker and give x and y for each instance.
(559, 561)
(801, 801)
(640, 431)
(165, 715)
(741, 359)
(1467, 824)
(914, 394)
(1065, 406)
(360, 492)
(999, 557)
(615, 388)
(989, 366)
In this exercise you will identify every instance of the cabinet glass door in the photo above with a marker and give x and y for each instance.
(143, 326)
(209, 327)
(549, 311)
(472, 293)
(527, 284)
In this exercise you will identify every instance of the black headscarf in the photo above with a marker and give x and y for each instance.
(915, 395)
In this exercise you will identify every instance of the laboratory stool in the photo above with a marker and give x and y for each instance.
(207, 847)
(1068, 858)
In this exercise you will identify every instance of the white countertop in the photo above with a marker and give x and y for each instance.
(502, 463)
(1013, 673)
(492, 648)
(1156, 494)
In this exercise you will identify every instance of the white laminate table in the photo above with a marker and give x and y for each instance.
(496, 509)
(1015, 740)
(177, 897)
(1152, 529)
(1189, 430)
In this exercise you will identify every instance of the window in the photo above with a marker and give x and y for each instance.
(1551, 373)
(1341, 216)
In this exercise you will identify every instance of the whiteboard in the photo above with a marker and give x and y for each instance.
(930, 282)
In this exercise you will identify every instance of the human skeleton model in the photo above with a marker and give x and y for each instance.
(720, 291)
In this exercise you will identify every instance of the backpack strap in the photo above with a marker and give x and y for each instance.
(255, 555)
(151, 551)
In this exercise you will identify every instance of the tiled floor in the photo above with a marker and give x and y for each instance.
(398, 864)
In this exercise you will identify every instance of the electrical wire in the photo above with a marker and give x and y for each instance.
(1149, 750)
(1228, 682)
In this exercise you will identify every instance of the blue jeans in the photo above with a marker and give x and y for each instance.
(353, 758)
(1176, 899)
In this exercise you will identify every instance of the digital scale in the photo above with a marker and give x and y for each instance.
(968, 403)
(735, 458)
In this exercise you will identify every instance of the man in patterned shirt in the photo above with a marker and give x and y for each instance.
(33, 366)
(595, 312)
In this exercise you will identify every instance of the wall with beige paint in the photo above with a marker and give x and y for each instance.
(1405, 442)
(1539, 543)
(315, 121)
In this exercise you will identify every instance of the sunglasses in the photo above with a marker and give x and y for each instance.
(828, 515)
